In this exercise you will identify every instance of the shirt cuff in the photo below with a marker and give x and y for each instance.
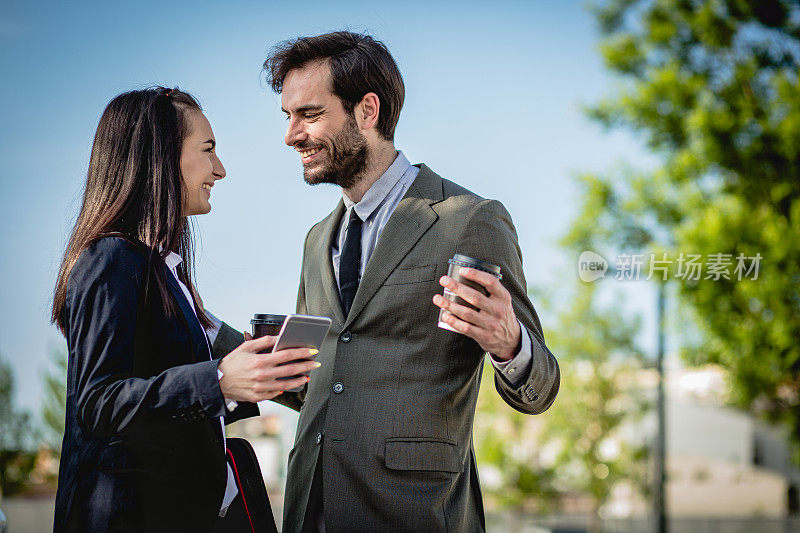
(515, 369)
(213, 330)
(230, 404)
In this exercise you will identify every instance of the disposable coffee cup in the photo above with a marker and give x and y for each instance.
(264, 324)
(453, 270)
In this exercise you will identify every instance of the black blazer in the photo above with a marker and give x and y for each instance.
(143, 448)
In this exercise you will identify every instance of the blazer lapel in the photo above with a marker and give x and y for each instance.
(201, 348)
(196, 333)
(409, 222)
(329, 232)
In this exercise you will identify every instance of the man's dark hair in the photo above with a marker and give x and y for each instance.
(359, 65)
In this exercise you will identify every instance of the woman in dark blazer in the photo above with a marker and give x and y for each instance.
(144, 447)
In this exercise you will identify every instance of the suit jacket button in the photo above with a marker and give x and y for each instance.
(338, 387)
(319, 438)
(346, 336)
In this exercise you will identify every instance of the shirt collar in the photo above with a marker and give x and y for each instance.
(172, 260)
(379, 190)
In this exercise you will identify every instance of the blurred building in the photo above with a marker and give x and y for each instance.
(721, 462)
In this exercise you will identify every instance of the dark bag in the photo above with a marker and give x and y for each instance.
(255, 512)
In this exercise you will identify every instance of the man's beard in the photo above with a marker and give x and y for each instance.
(347, 159)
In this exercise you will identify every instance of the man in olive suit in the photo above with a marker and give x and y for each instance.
(384, 439)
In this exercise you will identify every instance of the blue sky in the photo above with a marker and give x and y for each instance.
(493, 96)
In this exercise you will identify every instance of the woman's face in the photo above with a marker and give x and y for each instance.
(200, 166)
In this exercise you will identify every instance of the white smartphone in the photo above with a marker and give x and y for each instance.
(302, 331)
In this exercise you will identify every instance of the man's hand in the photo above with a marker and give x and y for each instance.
(251, 376)
(494, 326)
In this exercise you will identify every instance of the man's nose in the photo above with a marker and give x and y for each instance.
(294, 132)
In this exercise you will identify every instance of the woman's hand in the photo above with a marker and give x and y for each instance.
(251, 376)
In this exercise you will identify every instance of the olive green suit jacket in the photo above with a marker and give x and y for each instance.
(389, 413)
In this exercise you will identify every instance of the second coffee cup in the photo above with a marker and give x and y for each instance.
(265, 324)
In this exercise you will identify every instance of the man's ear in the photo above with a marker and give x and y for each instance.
(366, 111)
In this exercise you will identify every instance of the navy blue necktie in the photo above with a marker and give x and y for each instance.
(349, 262)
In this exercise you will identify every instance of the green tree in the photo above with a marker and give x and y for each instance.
(712, 87)
(507, 446)
(592, 427)
(586, 442)
(17, 438)
(54, 401)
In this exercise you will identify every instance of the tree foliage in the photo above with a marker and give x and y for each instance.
(593, 429)
(588, 441)
(17, 438)
(507, 445)
(713, 88)
(54, 401)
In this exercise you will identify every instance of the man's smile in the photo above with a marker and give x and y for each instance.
(307, 155)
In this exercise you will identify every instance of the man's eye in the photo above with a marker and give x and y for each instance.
(312, 116)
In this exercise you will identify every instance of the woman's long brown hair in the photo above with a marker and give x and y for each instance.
(134, 189)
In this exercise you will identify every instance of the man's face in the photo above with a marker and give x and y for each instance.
(332, 149)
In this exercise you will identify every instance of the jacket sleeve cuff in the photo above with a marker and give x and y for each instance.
(207, 383)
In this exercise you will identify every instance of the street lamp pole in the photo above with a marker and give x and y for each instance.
(659, 499)
(660, 473)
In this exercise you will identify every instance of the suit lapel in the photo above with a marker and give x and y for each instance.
(330, 227)
(409, 222)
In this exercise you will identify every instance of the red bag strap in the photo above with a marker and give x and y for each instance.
(239, 483)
